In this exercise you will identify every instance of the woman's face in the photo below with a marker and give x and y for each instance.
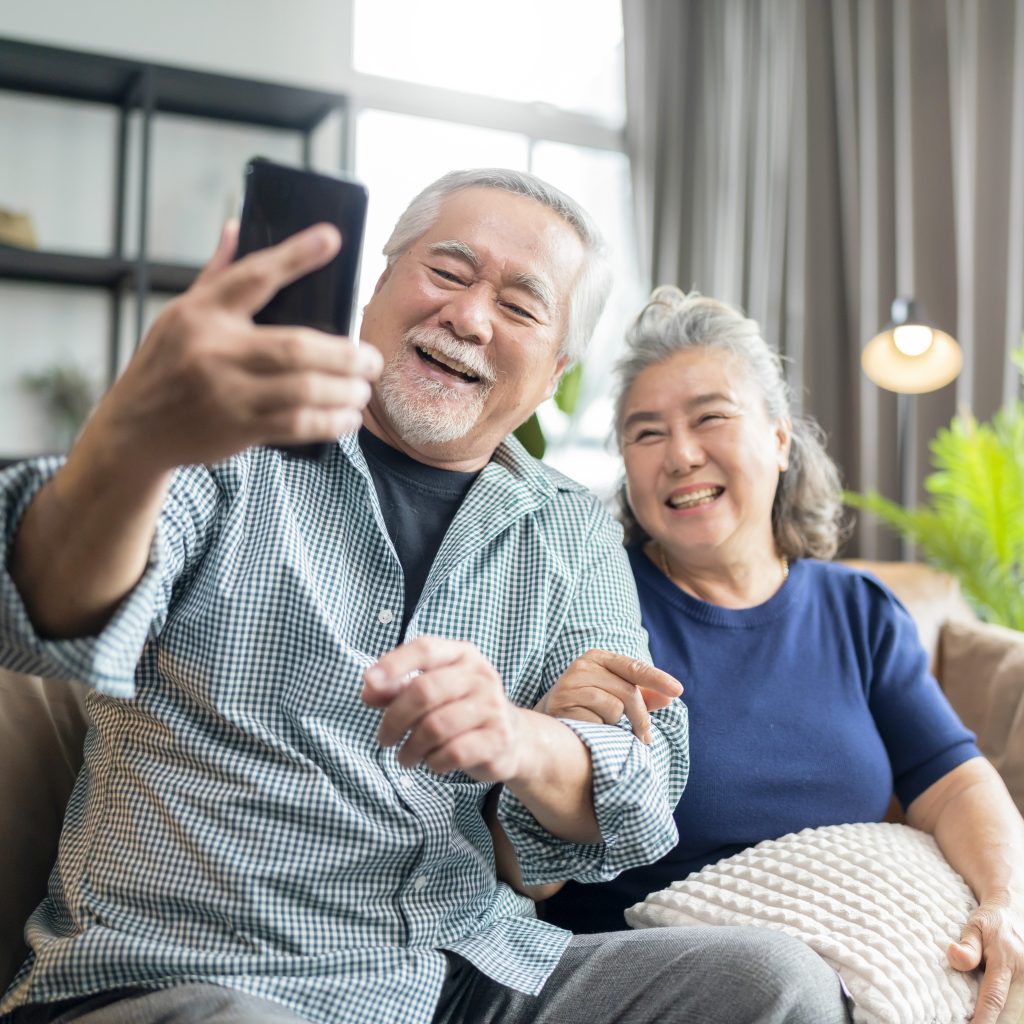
(703, 458)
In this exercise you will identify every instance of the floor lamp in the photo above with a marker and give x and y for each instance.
(909, 356)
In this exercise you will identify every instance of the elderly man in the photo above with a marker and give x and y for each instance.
(307, 676)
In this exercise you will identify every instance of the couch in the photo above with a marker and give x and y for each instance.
(42, 724)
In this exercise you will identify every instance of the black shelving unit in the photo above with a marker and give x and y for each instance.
(149, 89)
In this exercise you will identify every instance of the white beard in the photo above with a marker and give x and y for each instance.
(425, 411)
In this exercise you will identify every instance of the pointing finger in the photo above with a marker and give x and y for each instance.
(248, 285)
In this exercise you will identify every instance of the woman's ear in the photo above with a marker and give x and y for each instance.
(784, 440)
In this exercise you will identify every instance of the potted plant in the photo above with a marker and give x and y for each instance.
(67, 394)
(973, 523)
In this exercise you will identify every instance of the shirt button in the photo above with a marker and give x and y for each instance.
(420, 884)
(385, 615)
(405, 782)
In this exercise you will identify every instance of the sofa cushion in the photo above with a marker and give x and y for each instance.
(42, 725)
(982, 671)
(876, 901)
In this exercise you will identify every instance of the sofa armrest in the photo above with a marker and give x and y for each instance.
(42, 726)
(981, 668)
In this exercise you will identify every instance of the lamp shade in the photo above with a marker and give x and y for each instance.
(909, 355)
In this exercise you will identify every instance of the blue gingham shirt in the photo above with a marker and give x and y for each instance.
(236, 821)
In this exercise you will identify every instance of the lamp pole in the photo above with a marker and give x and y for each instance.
(906, 435)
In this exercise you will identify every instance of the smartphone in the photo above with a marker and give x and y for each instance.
(281, 200)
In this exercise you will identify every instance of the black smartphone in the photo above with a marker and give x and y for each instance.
(281, 200)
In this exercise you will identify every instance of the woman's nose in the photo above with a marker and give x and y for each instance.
(684, 452)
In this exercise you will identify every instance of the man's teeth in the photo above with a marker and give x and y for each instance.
(695, 498)
(447, 363)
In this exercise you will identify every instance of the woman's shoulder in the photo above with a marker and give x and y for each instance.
(856, 586)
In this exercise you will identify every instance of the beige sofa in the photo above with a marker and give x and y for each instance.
(42, 723)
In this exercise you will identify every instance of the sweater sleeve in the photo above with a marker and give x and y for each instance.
(922, 733)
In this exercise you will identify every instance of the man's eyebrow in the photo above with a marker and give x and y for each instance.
(453, 247)
(538, 288)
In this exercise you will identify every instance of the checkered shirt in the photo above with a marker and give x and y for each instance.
(236, 821)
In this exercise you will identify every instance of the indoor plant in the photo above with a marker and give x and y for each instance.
(973, 523)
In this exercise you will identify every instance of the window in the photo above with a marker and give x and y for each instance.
(566, 54)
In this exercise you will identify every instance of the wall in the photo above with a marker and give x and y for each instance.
(59, 162)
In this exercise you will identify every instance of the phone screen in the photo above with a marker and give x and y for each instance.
(279, 201)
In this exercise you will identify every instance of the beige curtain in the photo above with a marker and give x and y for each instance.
(810, 160)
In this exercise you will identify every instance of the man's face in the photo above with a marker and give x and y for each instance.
(469, 320)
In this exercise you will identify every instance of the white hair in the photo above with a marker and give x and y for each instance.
(807, 514)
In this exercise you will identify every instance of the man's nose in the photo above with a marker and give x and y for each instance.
(467, 314)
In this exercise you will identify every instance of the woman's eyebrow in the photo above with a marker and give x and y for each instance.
(650, 416)
(709, 398)
(640, 416)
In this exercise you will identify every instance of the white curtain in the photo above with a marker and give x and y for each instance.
(811, 160)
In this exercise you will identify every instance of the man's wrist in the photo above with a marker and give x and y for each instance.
(108, 457)
(547, 752)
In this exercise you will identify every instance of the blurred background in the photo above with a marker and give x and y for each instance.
(807, 160)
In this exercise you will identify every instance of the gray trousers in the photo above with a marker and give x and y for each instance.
(662, 976)
(653, 976)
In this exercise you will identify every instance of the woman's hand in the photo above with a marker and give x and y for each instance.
(994, 937)
(602, 687)
(980, 831)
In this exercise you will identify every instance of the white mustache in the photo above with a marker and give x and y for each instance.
(444, 343)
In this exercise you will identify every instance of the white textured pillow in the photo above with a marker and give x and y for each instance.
(877, 901)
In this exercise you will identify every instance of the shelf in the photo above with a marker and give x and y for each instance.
(61, 267)
(51, 71)
(150, 91)
(90, 271)
(169, 277)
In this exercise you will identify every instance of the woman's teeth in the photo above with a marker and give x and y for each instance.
(694, 498)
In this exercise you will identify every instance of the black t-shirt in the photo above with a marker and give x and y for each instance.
(419, 503)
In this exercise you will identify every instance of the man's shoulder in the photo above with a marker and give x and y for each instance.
(517, 460)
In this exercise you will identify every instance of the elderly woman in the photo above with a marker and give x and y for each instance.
(809, 693)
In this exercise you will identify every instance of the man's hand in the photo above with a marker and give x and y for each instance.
(207, 382)
(994, 937)
(450, 700)
(602, 687)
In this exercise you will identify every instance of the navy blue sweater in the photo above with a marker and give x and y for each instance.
(810, 709)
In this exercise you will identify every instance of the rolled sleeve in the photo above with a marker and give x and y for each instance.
(635, 788)
(105, 661)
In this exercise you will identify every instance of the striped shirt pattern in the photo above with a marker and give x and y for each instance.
(236, 821)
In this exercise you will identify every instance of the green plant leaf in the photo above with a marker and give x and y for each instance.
(973, 524)
(531, 437)
(567, 394)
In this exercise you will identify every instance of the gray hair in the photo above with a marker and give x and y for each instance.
(807, 514)
(591, 291)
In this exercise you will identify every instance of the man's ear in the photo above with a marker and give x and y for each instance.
(784, 439)
(560, 367)
(383, 278)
